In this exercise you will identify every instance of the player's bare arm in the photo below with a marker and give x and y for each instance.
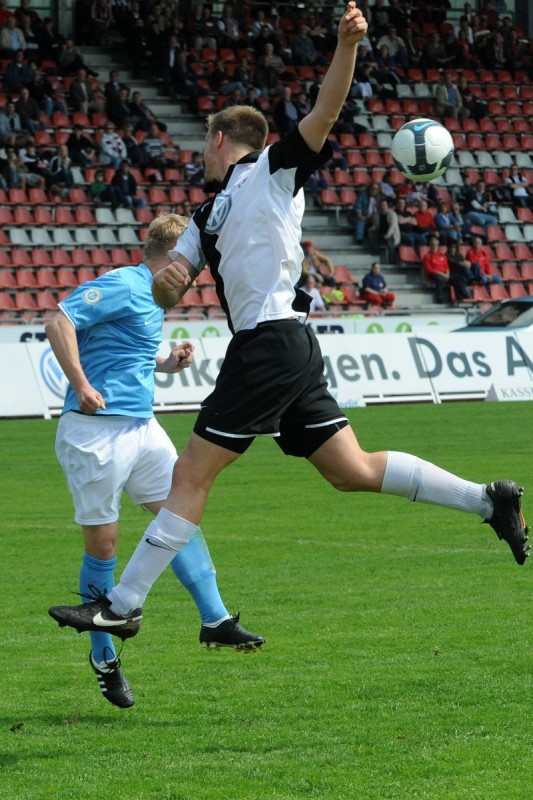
(171, 283)
(62, 337)
(180, 358)
(316, 126)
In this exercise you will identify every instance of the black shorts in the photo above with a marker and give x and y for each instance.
(271, 383)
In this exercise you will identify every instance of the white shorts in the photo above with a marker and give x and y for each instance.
(102, 456)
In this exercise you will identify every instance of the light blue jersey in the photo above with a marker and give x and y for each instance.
(119, 330)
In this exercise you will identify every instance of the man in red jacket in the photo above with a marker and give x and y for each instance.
(437, 270)
(480, 266)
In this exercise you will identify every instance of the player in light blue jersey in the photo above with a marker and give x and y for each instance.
(106, 338)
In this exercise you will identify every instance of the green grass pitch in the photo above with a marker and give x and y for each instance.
(398, 662)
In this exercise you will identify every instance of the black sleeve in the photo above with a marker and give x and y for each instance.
(292, 151)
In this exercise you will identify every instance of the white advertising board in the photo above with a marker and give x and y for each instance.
(361, 370)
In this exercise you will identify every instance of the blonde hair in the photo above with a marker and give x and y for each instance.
(163, 233)
(242, 125)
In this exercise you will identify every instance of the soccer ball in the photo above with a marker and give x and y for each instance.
(422, 150)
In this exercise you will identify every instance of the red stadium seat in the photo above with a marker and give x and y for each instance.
(498, 291)
(46, 277)
(510, 272)
(21, 258)
(66, 278)
(7, 279)
(25, 301)
(46, 300)
(517, 290)
(6, 302)
(43, 216)
(209, 296)
(60, 257)
(40, 257)
(23, 216)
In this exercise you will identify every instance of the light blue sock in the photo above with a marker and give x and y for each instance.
(100, 574)
(193, 567)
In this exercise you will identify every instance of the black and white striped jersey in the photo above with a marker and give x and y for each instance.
(249, 232)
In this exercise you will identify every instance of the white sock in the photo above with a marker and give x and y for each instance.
(217, 623)
(164, 536)
(423, 482)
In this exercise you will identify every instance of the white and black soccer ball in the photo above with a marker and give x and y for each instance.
(422, 150)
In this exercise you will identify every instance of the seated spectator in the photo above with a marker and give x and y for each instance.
(81, 95)
(483, 210)
(60, 178)
(17, 74)
(259, 24)
(285, 113)
(386, 189)
(310, 287)
(317, 263)
(516, 52)
(50, 42)
(137, 153)
(448, 100)
(315, 183)
(221, 83)
(196, 33)
(124, 188)
(70, 60)
(517, 185)
(480, 266)
(459, 219)
(11, 38)
(366, 207)
(47, 98)
(374, 288)
(35, 167)
(385, 71)
(194, 170)
(112, 148)
(448, 227)
(229, 34)
(155, 147)
(13, 170)
(396, 47)
(385, 230)
(4, 13)
(11, 130)
(424, 218)
(141, 114)
(303, 50)
(80, 148)
(437, 270)
(460, 272)
(477, 109)
(179, 79)
(25, 10)
(101, 21)
(434, 54)
(409, 233)
(98, 189)
(117, 108)
(266, 77)
(32, 51)
(29, 112)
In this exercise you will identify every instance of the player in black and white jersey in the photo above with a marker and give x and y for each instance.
(271, 382)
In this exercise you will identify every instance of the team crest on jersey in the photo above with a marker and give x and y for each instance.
(219, 212)
(92, 296)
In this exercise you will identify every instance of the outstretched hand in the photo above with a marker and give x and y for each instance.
(352, 26)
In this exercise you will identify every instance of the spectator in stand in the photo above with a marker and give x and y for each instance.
(81, 95)
(50, 41)
(194, 170)
(101, 21)
(316, 263)
(32, 51)
(229, 33)
(5, 13)
(18, 74)
(117, 108)
(385, 71)
(29, 112)
(303, 104)
(137, 154)
(458, 218)
(379, 18)
(260, 23)
(483, 210)
(155, 147)
(14, 171)
(124, 188)
(112, 148)
(195, 32)
(448, 100)
(303, 50)
(366, 207)
(11, 38)
(310, 287)
(517, 185)
(315, 183)
(235, 98)
(266, 77)
(285, 113)
(35, 166)
(80, 148)
(275, 61)
(113, 85)
(60, 172)
(42, 91)
(493, 53)
(460, 273)
(179, 79)
(386, 189)
(99, 191)
(374, 288)
(221, 83)
(142, 115)
(447, 226)
(437, 270)
(243, 74)
(414, 53)
(434, 54)
(396, 46)
(25, 10)
(477, 109)
(424, 218)
(70, 60)
(11, 131)
(385, 230)
(409, 233)
(480, 266)
(517, 55)
(251, 99)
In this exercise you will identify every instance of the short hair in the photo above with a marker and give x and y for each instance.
(243, 125)
(163, 233)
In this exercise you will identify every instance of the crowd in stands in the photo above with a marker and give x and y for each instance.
(60, 120)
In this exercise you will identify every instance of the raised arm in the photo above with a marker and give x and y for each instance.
(316, 126)
(171, 283)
